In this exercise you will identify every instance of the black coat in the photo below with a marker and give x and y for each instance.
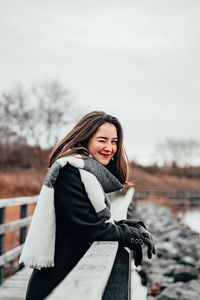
(77, 226)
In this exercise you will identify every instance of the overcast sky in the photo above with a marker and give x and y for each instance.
(137, 60)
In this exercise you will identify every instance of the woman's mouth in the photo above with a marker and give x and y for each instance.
(105, 155)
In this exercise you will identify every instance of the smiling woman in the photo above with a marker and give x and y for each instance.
(100, 136)
(73, 209)
(103, 144)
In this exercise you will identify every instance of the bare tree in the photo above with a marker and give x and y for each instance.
(55, 111)
(8, 111)
(180, 152)
(35, 117)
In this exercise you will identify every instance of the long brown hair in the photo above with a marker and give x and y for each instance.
(77, 139)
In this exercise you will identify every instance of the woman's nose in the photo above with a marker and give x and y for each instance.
(108, 147)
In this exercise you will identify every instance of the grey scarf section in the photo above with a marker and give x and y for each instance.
(108, 181)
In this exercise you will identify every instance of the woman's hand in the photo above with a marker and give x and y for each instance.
(137, 236)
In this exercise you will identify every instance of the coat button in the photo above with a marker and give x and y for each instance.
(132, 240)
(136, 241)
(140, 241)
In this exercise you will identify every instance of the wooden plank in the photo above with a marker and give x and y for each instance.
(9, 255)
(15, 224)
(18, 201)
(14, 288)
(88, 279)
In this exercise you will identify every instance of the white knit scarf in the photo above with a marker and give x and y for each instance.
(39, 247)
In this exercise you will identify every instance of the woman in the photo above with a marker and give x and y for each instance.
(73, 209)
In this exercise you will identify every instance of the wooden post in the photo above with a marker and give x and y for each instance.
(2, 219)
(22, 237)
(23, 213)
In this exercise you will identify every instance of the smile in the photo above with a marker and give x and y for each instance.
(105, 155)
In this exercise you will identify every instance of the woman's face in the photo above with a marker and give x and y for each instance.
(103, 144)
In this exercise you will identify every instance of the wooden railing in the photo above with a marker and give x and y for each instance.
(21, 224)
(179, 194)
(102, 273)
(193, 197)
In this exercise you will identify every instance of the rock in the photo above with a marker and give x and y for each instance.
(184, 273)
(193, 285)
(165, 282)
(177, 291)
(173, 272)
(181, 242)
(188, 260)
(170, 227)
(153, 288)
(166, 250)
(169, 271)
(171, 236)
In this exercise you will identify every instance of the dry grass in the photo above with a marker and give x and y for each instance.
(19, 182)
(171, 183)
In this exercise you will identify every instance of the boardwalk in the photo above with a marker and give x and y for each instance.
(14, 288)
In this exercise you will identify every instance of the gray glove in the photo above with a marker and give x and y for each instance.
(139, 235)
(131, 222)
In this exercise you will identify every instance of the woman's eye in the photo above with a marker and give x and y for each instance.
(103, 141)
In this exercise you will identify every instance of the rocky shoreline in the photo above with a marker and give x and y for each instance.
(174, 273)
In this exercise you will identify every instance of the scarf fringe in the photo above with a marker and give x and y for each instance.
(37, 263)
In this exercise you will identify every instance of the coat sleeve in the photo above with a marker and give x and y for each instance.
(77, 211)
